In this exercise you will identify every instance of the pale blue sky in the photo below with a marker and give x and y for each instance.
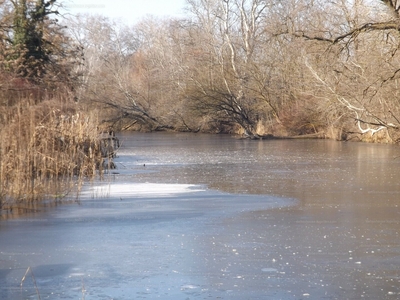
(129, 11)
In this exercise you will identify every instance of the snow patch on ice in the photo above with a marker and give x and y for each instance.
(124, 190)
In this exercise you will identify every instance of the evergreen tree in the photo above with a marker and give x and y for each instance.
(34, 44)
(30, 50)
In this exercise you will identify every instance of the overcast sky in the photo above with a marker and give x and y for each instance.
(130, 11)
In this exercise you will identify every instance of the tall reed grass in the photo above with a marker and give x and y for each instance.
(47, 149)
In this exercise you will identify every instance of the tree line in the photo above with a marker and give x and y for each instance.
(255, 67)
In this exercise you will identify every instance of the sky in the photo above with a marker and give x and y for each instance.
(128, 11)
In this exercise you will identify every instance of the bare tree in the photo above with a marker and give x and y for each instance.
(251, 66)
(109, 48)
(139, 72)
(234, 33)
(363, 75)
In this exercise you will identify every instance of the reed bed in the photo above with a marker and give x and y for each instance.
(47, 150)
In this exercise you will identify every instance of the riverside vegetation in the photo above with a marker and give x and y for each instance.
(46, 152)
(251, 67)
(48, 143)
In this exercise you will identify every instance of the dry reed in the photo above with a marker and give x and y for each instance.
(46, 151)
(29, 270)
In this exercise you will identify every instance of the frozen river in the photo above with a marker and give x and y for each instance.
(213, 217)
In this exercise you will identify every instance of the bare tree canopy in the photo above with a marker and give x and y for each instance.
(256, 67)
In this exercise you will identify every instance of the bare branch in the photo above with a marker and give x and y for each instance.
(390, 25)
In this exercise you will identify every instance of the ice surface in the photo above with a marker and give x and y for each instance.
(176, 221)
(125, 240)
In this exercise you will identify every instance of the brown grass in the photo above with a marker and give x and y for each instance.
(46, 150)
